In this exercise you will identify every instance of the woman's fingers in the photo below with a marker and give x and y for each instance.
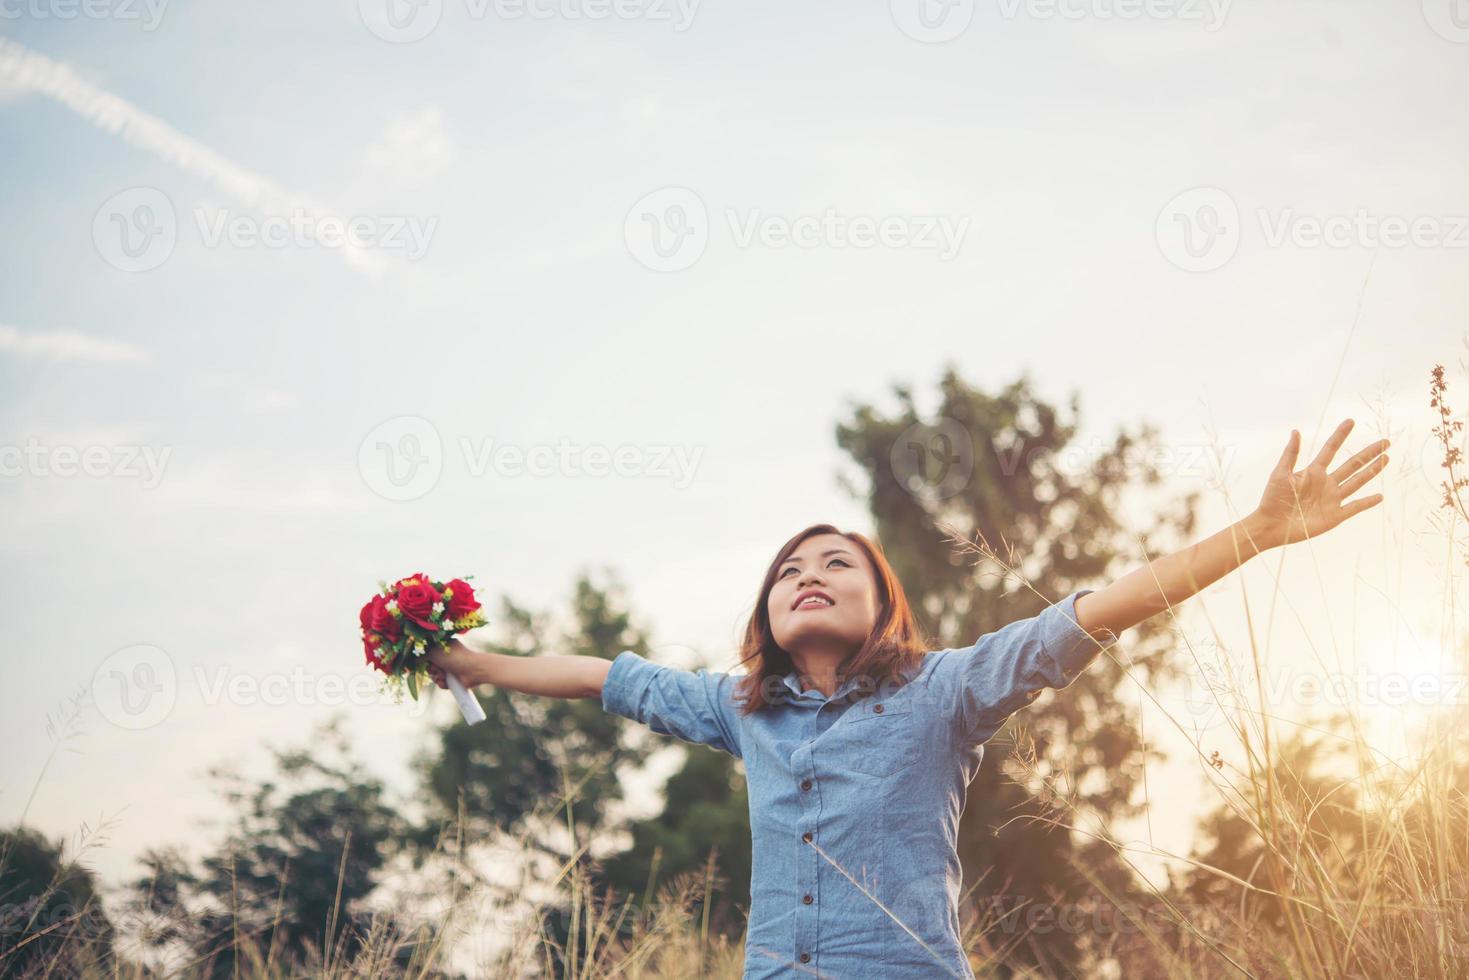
(1332, 444)
(1371, 454)
(1287, 462)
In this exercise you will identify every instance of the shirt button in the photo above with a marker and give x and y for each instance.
(877, 709)
(805, 957)
(807, 899)
(806, 837)
(805, 784)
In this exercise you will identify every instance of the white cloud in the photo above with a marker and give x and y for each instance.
(412, 149)
(69, 345)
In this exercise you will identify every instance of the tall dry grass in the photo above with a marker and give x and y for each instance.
(1358, 858)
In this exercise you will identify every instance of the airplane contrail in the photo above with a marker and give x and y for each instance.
(34, 72)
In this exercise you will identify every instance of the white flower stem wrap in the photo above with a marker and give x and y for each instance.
(469, 705)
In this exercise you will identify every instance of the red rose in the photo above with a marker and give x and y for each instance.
(416, 601)
(370, 654)
(377, 619)
(462, 602)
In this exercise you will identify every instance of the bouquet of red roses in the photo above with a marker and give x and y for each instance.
(406, 619)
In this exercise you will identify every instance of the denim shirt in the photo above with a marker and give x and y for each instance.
(855, 805)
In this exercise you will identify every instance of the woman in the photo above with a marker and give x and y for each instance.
(858, 743)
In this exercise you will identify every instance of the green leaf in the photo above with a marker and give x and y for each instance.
(413, 684)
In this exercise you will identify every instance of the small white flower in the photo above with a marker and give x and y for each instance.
(392, 605)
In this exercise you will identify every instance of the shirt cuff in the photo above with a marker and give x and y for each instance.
(619, 688)
(1069, 646)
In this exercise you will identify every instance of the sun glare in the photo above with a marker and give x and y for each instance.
(1417, 683)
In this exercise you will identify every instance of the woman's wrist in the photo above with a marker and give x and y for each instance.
(1259, 535)
(471, 666)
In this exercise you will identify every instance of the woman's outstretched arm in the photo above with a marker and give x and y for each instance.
(1295, 506)
(552, 675)
(1003, 671)
(694, 705)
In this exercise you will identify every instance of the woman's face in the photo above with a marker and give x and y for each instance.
(823, 596)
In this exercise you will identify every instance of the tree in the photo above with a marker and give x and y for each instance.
(51, 915)
(707, 811)
(306, 847)
(538, 767)
(992, 466)
(1318, 812)
(1002, 470)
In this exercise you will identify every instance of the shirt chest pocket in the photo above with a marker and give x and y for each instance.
(877, 738)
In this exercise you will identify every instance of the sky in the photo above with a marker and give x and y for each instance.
(301, 297)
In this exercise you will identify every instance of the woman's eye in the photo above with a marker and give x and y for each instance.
(839, 561)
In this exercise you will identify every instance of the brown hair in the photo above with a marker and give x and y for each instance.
(895, 645)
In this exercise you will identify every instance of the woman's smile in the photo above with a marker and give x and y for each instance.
(813, 599)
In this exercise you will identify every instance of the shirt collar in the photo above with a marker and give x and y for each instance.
(792, 681)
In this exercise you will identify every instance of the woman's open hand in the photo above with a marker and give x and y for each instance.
(1300, 505)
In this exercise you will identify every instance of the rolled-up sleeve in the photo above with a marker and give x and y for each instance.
(1005, 670)
(695, 706)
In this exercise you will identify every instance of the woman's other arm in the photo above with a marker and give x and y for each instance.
(694, 705)
(552, 675)
(1294, 506)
